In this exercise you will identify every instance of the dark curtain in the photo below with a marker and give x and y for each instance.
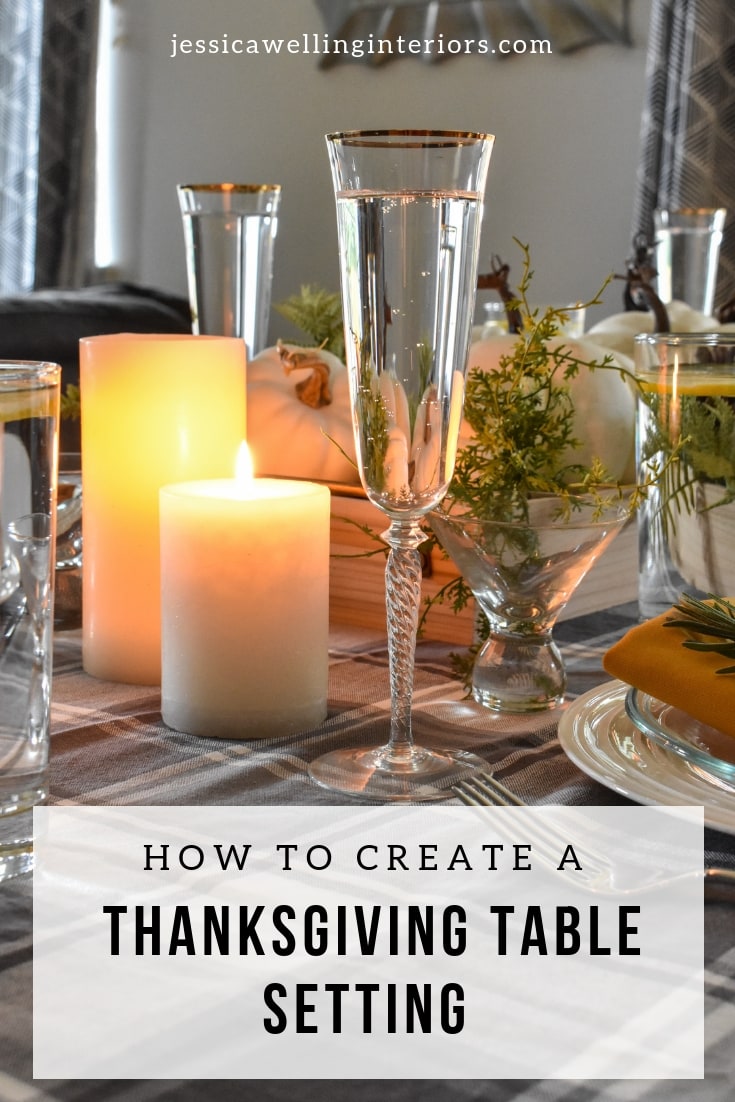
(64, 227)
(687, 154)
(20, 47)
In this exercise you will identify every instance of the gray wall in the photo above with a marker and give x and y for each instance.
(561, 179)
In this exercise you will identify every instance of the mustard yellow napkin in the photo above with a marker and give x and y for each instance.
(651, 658)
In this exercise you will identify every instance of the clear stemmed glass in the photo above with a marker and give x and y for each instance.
(409, 208)
(522, 574)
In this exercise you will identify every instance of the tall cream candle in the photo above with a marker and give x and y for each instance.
(245, 607)
(155, 409)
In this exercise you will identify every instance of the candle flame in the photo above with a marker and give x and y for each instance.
(244, 468)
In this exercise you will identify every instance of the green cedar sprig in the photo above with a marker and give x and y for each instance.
(522, 416)
(318, 313)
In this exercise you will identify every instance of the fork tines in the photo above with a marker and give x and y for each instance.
(483, 790)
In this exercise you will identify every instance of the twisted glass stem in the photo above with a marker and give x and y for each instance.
(403, 598)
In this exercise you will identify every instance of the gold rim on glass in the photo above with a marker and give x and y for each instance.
(436, 139)
(249, 189)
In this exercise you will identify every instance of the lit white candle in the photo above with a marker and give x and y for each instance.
(245, 606)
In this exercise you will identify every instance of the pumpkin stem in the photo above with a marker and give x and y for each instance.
(640, 271)
(314, 391)
(497, 280)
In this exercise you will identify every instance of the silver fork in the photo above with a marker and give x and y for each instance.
(485, 790)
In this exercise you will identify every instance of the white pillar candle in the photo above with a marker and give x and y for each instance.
(155, 409)
(245, 607)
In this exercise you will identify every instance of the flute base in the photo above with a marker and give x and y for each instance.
(380, 774)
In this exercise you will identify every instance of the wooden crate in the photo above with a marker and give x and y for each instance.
(357, 578)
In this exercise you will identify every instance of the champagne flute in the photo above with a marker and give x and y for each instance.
(409, 208)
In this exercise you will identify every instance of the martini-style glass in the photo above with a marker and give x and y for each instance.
(409, 208)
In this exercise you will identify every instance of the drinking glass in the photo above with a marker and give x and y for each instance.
(687, 253)
(522, 575)
(230, 231)
(686, 438)
(29, 426)
(409, 208)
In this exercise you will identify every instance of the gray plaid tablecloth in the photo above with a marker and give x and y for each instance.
(109, 746)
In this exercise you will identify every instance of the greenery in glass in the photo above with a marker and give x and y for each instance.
(523, 519)
(686, 430)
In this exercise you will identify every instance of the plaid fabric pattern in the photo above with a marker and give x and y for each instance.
(109, 746)
(688, 129)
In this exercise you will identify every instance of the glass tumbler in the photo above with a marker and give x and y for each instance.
(29, 433)
(230, 231)
(685, 440)
(687, 253)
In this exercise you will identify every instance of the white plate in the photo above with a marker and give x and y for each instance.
(597, 735)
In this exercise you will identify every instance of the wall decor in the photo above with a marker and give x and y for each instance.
(374, 32)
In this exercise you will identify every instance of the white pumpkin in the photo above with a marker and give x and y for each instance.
(618, 332)
(604, 404)
(299, 415)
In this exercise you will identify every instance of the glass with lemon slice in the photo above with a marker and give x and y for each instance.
(686, 437)
(29, 424)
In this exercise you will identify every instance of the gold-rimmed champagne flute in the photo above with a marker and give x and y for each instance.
(409, 210)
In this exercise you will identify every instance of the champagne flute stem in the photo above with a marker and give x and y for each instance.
(403, 597)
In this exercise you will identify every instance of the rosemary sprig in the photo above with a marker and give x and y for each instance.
(714, 618)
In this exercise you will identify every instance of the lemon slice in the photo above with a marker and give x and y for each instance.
(16, 405)
(696, 384)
